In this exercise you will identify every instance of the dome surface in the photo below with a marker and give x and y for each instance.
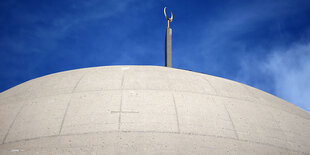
(147, 110)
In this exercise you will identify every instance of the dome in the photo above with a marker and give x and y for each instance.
(147, 110)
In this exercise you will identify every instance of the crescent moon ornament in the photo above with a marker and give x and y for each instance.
(169, 19)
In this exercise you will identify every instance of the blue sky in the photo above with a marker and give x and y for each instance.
(262, 43)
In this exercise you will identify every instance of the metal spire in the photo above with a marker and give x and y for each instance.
(168, 41)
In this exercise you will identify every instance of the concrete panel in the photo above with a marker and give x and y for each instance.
(39, 117)
(229, 88)
(189, 82)
(140, 143)
(199, 114)
(8, 113)
(277, 103)
(18, 93)
(10, 92)
(92, 112)
(146, 110)
(54, 84)
(10, 100)
(101, 79)
(144, 79)
(296, 129)
(254, 122)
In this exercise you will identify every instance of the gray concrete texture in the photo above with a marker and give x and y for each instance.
(147, 110)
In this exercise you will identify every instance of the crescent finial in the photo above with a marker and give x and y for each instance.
(169, 19)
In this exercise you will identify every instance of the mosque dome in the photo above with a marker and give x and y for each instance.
(147, 110)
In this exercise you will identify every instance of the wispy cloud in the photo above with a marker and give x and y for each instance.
(284, 72)
(224, 35)
(254, 43)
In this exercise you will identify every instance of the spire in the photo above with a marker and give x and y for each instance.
(168, 41)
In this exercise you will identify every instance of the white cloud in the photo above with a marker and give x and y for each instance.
(291, 71)
(287, 71)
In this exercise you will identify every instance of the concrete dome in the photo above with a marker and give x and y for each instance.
(147, 110)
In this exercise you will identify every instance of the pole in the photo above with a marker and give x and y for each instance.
(168, 47)
(168, 41)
